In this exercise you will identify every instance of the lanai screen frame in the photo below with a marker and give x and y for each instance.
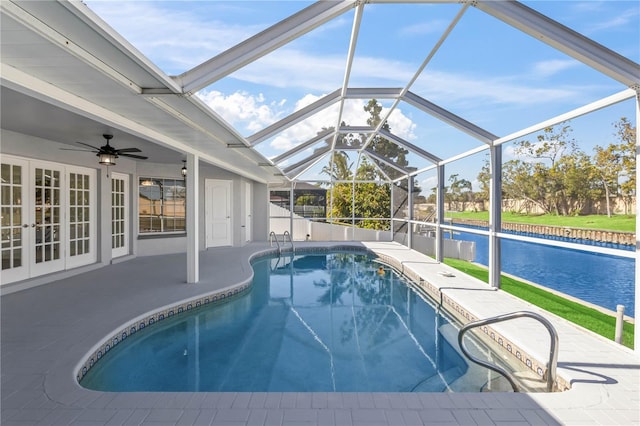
(513, 13)
(494, 233)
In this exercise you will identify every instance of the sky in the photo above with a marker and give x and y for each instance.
(486, 72)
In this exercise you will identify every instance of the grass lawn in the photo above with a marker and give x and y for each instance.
(586, 317)
(625, 223)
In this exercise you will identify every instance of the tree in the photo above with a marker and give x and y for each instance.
(575, 172)
(458, 192)
(552, 144)
(607, 168)
(627, 151)
(484, 178)
(383, 146)
(553, 173)
(372, 200)
(340, 167)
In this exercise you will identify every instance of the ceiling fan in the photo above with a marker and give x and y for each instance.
(107, 153)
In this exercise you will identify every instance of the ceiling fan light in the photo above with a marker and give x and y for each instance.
(107, 159)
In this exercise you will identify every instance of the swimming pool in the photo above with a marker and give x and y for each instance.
(321, 322)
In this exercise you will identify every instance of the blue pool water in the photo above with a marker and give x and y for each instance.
(320, 322)
(601, 279)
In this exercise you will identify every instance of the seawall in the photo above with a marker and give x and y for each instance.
(599, 235)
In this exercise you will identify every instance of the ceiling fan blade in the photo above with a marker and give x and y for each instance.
(140, 157)
(90, 146)
(76, 149)
(128, 150)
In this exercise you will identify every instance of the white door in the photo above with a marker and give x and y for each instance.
(48, 218)
(119, 214)
(248, 205)
(218, 212)
(15, 220)
(81, 218)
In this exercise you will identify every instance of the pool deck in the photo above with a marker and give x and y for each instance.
(47, 331)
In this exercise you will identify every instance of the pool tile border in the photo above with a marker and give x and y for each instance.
(156, 317)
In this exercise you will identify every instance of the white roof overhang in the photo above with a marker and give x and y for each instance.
(60, 55)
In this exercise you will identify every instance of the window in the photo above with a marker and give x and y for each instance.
(162, 205)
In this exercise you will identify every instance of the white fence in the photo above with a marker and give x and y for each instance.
(307, 229)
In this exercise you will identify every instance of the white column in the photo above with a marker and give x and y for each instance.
(391, 224)
(410, 208)
(495, 216)
(440, 213)
(104, 245)
(291, 207)
(636, 337)
(193, 208)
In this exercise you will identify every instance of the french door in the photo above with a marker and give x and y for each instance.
(48, 218)
(119, 214)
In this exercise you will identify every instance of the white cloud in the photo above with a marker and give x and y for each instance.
(290, 68)
(549, 68)
(353, 114)
(628, 17)
(427, 184)
(460, 88)
(242, 109)
(253, 113)
(175, 39)
(436, 26)
(509, 152)
(182, 39)
(402, 126)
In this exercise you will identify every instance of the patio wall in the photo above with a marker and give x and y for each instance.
(303, 229)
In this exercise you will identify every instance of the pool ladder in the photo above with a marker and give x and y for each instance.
(553, 349)
(285, 235)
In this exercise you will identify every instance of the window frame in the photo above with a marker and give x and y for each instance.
(162, 183)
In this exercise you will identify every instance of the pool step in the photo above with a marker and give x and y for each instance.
(493, 382)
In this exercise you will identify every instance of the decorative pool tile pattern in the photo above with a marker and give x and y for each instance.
(157, 317)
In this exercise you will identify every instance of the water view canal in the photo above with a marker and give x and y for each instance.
(601, 279)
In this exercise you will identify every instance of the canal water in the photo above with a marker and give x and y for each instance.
(601, 279)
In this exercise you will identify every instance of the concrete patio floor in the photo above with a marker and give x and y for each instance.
(47, 331)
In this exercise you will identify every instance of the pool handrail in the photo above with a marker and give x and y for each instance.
(275, 237)
(287, 234)
(553, 349)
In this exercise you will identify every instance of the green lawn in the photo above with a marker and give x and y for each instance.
(586, 317)
(614, 223)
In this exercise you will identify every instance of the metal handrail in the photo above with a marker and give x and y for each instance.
(287, 234)
(553, 350)
(275, 237)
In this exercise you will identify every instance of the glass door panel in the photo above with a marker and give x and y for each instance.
(119, 215)
(46, 209)
(81, 245)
